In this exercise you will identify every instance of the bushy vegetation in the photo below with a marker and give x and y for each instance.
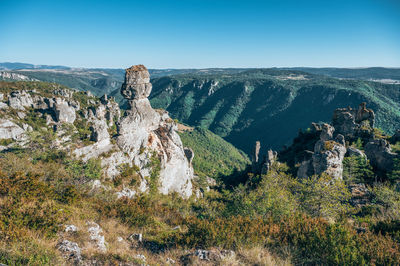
(313, 221)
(307, 218)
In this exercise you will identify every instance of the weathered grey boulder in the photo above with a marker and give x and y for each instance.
(352, 123)
(380, 154)
(19, 100)
(107, 110)
(3, 105)
(64, 113)
(71, 228)
(95, 234)
(327, 156)
(137, 83)
(268, 161)
(99, 130)
(70, 251)
(256, 152)
(10, 130)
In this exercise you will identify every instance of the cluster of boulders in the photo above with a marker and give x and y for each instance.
(57, 110)
(327, 156)
(323, 148)
(142, 137)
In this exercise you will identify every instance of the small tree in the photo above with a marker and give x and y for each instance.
(324, 196)
(357, 169)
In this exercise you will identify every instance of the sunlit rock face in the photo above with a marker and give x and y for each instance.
(149, 137)
(145, 138)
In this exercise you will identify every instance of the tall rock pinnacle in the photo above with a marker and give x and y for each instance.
(145, 134)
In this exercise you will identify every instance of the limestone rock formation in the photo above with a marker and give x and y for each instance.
(354, 122)
(256, 152)
(19, 100)
(63, 111)
(327, 156)
(269, 160)
(99, 130)
(348, 125)
(144, 138)
(70, 251)
(380, 154)
(148, 136)
(10, 130)
(137, 83)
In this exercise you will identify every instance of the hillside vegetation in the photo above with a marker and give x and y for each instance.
(214, 157)
(56, 209)
(269, 105)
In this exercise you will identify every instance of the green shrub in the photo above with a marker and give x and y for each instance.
(324, 196)
(271, 197)
(79, 169)
(27, 203)
(28, 252)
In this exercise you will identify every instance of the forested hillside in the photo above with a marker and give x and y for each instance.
(269, 105)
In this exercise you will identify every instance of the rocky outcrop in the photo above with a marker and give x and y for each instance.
(354, 152)
(96, 236)
(10, 130)
(268, 161)
(327, 156)
(149, 137)
(256, 152)
(329, 150)
(71, 251)
(262, 166)
(137, 83)
(352, 123)
(20, 100)
(380, 155)
(99, 130)
(63, 111)
(145, 137)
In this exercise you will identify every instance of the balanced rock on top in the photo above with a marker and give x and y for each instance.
(137, 83)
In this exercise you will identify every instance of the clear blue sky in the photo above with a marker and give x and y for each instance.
(201, 33)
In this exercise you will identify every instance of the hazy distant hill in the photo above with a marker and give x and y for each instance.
(370, 73)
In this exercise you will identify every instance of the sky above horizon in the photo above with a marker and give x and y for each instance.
(201, 33)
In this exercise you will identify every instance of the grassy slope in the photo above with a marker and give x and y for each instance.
(214, 156)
